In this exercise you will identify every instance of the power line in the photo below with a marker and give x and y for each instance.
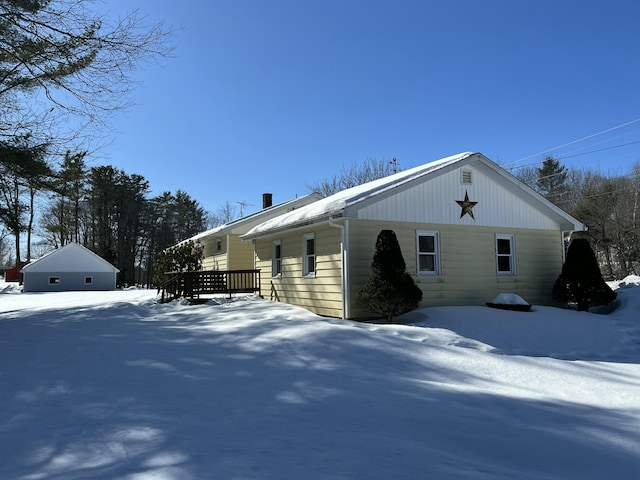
(574, 141)
(607, 140)
(582, 153)
(599, 150)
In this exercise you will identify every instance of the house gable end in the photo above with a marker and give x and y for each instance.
(495, 198)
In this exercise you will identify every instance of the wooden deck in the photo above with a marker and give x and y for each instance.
(191, 285)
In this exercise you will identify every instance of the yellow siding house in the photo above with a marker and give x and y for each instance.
(468, 231)
(223, 248)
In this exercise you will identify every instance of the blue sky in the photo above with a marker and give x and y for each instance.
(275, 95)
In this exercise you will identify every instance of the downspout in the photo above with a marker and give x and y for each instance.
(344, 262)
(228, 249)
(566, 240)
(255, 256)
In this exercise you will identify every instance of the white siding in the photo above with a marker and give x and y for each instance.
(68, 281)
(498, 205)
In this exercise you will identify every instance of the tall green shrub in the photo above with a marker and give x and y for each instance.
(184, 257)
(580, 281)
(389, 291)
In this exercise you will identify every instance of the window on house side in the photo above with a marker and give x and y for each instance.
(428, 248)
(309, 256)
(54, 280)
(218, 245)
(505, 255)
(276, 264)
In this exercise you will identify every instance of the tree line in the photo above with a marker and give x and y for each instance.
(65, 70)
(103, 208)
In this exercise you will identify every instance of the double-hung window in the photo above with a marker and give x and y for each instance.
(428, 248)
(505, 254)
(276, 259)
(309, 255)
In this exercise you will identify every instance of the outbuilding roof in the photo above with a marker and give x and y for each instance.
(72, 257)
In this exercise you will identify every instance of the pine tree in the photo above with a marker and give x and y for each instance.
(389, 290)
(580, 281)
(118, 207)
(62, 221)
(552, 180)
(23, 172)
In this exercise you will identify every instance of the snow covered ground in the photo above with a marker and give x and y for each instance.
(112, 385)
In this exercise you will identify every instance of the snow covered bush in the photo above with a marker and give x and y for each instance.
(390, 290)
(580, 281)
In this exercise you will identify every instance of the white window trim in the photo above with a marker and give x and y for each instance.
(512, 254)
(436, 263)
(275, 272)
(305, 256)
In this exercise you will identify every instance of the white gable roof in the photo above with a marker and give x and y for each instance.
(347, 202)
(73, 257)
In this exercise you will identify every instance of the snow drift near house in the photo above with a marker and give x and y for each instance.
(112, 385)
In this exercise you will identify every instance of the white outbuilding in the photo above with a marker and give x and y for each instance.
(72, 267)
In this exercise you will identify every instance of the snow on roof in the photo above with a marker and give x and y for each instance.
(254, 217)
(73, 257)
(206, 233)
(337, 202)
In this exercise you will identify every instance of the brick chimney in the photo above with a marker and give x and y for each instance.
(267, 200)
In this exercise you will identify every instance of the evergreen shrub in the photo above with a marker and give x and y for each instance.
(389, 290)
(580, 283)
(184, 257)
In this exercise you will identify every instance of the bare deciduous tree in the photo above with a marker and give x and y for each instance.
(224, 214)
(355, 174)
(610, 206)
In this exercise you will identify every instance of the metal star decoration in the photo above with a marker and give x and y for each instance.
(466, 206)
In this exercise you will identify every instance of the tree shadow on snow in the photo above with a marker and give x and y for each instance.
(192, 392)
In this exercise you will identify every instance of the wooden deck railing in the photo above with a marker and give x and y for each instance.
(191, 285)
